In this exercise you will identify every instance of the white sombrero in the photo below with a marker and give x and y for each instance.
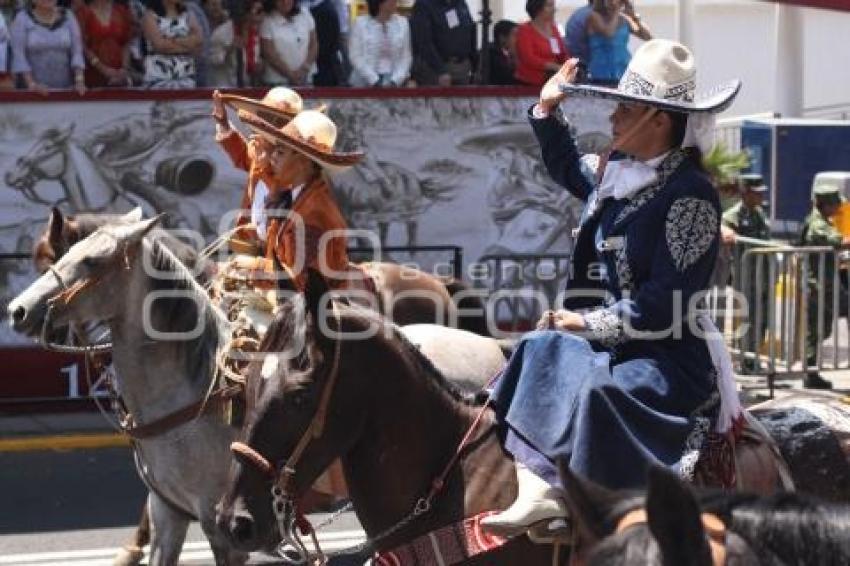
(310, 133)
(662, 73)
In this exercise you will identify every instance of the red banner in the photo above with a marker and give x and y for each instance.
(32, 374)
(842, 5)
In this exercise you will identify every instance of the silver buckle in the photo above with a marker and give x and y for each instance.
(612, 243)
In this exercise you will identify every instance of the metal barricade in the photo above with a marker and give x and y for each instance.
(521, 286)
(786, 312)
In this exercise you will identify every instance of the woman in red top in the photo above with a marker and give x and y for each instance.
(106, 27)
(253, 68)
(539, 45)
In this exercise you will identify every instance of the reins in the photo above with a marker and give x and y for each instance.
(126, 424)
(283, 502)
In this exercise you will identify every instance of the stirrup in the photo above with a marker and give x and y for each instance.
(513, 529)
(550, 531)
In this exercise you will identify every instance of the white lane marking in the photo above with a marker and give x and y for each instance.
(192, 552)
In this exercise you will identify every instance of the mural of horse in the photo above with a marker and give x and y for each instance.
(379, 193)
(55, 156)
(89, 185)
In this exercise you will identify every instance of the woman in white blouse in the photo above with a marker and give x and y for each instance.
(288, 43)
(379, 47)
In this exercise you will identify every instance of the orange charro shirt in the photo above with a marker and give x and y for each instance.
(285, 238)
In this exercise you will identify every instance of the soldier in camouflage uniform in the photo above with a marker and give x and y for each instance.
(818, 230)
(747, 218)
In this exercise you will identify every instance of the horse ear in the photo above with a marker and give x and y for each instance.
(315, 293)
(55, 225)
(134, 215)
(136, 232)
(674, 520)
(590, 504)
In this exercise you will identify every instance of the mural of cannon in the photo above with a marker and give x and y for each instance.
(117, 166)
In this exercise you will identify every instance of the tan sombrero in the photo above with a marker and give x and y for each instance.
(278, 106)
(310, 133)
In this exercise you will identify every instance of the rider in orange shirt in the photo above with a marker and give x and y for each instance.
(286, 160)
(302, 152)
(278, 107)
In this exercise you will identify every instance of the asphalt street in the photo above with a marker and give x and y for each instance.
(79, 507)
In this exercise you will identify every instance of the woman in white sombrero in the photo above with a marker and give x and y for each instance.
(626, 375)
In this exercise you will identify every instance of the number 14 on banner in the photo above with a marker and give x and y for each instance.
(98, 388)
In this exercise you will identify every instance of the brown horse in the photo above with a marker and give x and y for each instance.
(403, 294)
(395, 424)
(392, 419)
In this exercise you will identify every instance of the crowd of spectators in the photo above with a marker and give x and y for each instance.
(167, 44)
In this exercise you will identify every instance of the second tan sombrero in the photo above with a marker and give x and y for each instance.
(310, 133)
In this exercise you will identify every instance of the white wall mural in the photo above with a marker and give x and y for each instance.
(440, 171)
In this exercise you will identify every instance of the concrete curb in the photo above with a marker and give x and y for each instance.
(63, 442)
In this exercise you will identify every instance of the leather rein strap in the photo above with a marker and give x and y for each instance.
(283, 476)
(714, 528)
(180, 416)
(172, 420)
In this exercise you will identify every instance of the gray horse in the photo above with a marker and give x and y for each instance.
(165, 334)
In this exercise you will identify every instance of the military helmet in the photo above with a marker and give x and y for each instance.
(752, 182)
(830, 187)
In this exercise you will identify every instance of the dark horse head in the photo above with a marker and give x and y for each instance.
(63, 231)
(673, 525)
(283, 395)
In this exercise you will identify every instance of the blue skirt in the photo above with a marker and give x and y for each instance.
(609, 421)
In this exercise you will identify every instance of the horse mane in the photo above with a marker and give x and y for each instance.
(786, 528)
(790, 527)
(88, 223)
(284, 326)
(428, 368)
(177, 315)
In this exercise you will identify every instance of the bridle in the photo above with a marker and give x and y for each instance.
(283, 496)
(283, 501)
(66, 297)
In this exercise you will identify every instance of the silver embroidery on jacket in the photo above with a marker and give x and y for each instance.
(691, 227)
(604, 327)
(625, 277)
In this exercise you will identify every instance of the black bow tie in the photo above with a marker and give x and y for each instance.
(279, 200)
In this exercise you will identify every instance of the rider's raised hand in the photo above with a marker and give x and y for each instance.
(551, 95)
(218, 113)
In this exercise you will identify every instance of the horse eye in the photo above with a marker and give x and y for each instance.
(91, 262)
(299, 398)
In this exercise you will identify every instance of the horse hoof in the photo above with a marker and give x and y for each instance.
(128, 556)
